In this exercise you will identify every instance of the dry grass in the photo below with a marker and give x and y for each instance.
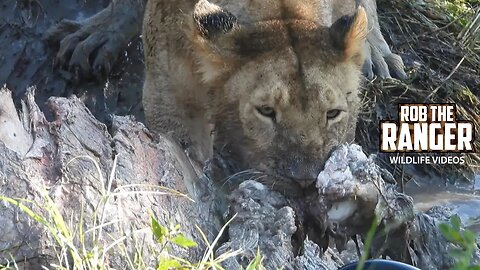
(443, 67)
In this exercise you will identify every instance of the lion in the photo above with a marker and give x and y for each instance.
(279, 89)
(271, 85)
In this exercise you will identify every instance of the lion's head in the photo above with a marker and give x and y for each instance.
(284, 91)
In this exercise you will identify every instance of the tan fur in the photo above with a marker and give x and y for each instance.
(278, 54)
(356, 36)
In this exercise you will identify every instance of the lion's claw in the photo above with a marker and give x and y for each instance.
(380, 60)
(92, 46)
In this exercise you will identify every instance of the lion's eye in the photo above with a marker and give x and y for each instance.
(267, 111)
(332, 114)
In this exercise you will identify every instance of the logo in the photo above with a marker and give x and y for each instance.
(427, 128)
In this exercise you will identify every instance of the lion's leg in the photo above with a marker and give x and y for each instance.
(174, 102)
(163, 113)
(170, 113)
(380, 59)
(93, 45)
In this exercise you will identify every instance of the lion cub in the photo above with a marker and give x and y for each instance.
(280, 90)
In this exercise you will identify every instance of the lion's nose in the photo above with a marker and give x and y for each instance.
(304, 172)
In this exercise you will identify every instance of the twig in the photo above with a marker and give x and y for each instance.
(446, 79)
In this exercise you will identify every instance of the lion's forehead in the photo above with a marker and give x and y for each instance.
(258, 10)
(291, 78)
(253, 39)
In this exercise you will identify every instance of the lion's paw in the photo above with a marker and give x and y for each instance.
(383, 63)
(90, 48)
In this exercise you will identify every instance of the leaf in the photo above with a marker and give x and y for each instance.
(450, 234)
(457, 254)
(182, 241)
(158, 230)
(470, 237)
(456, 222)
(166, 264)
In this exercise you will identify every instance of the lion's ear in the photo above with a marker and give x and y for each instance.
(212, 20)
(212, 40)
(349, 34)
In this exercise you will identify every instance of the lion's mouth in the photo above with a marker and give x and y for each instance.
(306, 183)
(281, 181)
(288, 185)
(298, 178)
(300, 182)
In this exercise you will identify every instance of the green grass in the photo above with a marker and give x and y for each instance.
(368, 243)
(74, 253)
